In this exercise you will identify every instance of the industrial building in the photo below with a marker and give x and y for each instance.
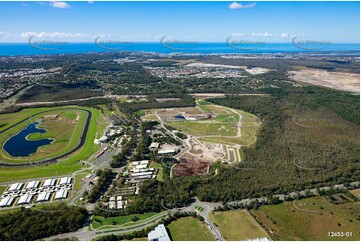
(32, 184)
(49, 182)
(154, 145)
(15, 187)
(65, 180)
(6, 202)
(25, 199)
(42, 190)
(117, 202)
(43, 197)
(167, 152)
(159, 233)
(62, 194)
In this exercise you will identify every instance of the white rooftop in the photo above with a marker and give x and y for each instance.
(6, 201)
(65, 180)
(44, 196)
(25, 199)
(61, 194)
(15, 186)
(49, 182)
(159, 233)
(32, 184)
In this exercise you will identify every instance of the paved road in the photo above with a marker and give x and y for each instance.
(86, 234)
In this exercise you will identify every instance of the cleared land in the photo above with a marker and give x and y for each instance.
(208, 127)
(336, 80)
(310, 219)
(189, 229)
(237, 225)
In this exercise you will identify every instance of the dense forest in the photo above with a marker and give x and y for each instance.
(34, 224)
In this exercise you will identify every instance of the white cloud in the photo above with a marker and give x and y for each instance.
(90, 2)
(238, 34)
(53, 35)
(265, 34)
(5, 35)
(287, 35)
(24, 4)
(57, 4)
(236, 5)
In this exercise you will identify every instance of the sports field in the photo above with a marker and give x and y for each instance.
(189, 229)
(311, 219)
(63, 124)
(237, 225)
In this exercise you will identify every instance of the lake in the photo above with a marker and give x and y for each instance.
(18, 145)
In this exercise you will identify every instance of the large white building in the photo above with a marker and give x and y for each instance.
(25, 199)
(32, 184)
(15, 187)
(49, 182)
(7, 201)
(159, 233)
(65, 180)
(43, 197)
(61, 194)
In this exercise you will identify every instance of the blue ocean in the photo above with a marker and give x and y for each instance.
(16, 49)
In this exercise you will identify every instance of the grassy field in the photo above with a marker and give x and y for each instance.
(2, 189)
(356, 192)
(229, 126)
(116, 221)
(237, 225)
(190, 229)
(69, 164)
(160, 170)
(310, 219)
(78, 181)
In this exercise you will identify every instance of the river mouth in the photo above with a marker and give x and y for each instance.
(19, 145)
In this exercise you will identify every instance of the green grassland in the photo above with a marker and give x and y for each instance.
(160, 170)
(68, 164)
(189, 229)
(2, 189)
(237, 225)
(223, 129)
(310, 219)
(99, 221)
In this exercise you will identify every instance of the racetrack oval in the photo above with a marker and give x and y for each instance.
(54, 159)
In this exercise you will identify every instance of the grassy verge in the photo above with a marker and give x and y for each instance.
(237, 225)
(99, 221)
(189, 229)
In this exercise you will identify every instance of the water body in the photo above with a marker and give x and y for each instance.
(16, 49)
(180, 117)
(18, 145)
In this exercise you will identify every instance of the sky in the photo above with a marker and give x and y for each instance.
(334, 22)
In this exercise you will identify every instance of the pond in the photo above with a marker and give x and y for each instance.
(180, 117)
(18, 145)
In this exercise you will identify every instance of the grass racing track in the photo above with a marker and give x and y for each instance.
(10, 171)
